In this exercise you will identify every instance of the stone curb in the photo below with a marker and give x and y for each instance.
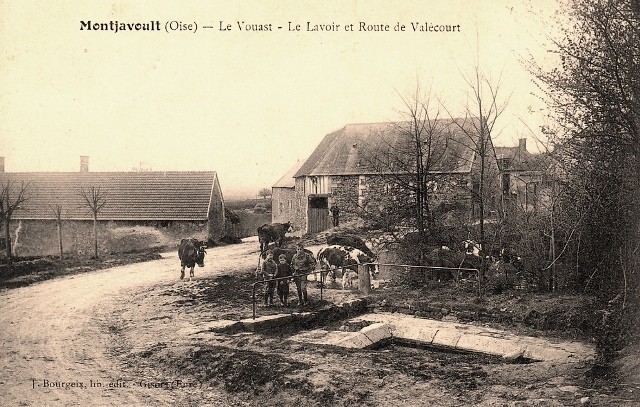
(266, 322)
(444, 338)
(364, 338)
(470, 338)
(376, 332)
(220, 326)
(353, 340)
(488, 345)
(440, 334)
(269, 322)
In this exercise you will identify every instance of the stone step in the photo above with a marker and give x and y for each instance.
(471, 338)
(448, 336)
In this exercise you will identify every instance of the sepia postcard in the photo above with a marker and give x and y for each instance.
(280, 202)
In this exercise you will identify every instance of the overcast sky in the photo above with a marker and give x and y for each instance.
(245, 104)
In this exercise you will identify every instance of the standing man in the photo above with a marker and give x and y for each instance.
(302, 263)
(269, 268)
(335, 213)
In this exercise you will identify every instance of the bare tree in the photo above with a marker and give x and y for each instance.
(57, 213)
(594, 97)
(12, 196)
(484, 107)
(595, 100)
(94, 199)
(264, 193)
(428, 144)
(404, 163)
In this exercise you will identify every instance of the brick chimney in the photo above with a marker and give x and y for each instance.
(1, 164)
(84, 163)
(522, 144)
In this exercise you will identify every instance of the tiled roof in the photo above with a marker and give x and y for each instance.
(287, 180)
(153, 195)
(522, 160)
(348, 151)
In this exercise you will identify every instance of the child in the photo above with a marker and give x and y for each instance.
(284, 270)
(269, 268)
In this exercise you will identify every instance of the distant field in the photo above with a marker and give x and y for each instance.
(250, 221)
(236, 205)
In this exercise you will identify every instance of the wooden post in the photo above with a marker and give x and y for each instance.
(364, 282)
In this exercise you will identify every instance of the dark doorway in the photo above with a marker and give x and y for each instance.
(318, 214)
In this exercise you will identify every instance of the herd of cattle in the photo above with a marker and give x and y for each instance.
(344, 253)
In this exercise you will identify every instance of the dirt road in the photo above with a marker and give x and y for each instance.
(55, 346)
(125, 336)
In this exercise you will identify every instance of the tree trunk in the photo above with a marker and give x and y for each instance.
(482, 154)
(7, 239)
(419, 180)
(60, 240)
(552, 255)
(552, 249)
(95, 235)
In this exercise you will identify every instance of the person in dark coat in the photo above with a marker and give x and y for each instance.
(335, 213)
(269, 268)
(284, 270)
(302, 264)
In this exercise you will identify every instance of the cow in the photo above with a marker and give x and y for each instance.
(345, 258)
(447, 259)
(471, 247)
(508, 256)
(448, 262)
(351, 241)
(504, 262)
(273, 232)
(348, 278)
(190, 253)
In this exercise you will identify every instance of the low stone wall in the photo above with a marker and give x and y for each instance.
(40, 237)
(306, 319)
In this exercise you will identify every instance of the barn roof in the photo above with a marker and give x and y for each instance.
(348, 151)
(522, 160)
(153, 195)
(287, 180)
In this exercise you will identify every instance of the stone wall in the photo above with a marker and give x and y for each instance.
(216, 225)
(300, 204)
(348, 192)
(40, 237)
(344, 194)
(446, 191)
(283, 207)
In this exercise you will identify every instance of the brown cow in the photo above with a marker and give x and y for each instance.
(190, 253)
(356, 242)
(273, 233)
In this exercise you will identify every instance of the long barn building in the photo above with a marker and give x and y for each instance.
(141, 210)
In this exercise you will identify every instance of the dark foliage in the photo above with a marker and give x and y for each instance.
(595, 96)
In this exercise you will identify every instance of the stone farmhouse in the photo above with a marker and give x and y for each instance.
(340, 171)
(283, 196)
(525, 178)
(142, 210)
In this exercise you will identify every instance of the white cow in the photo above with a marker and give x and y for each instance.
(337, 257)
